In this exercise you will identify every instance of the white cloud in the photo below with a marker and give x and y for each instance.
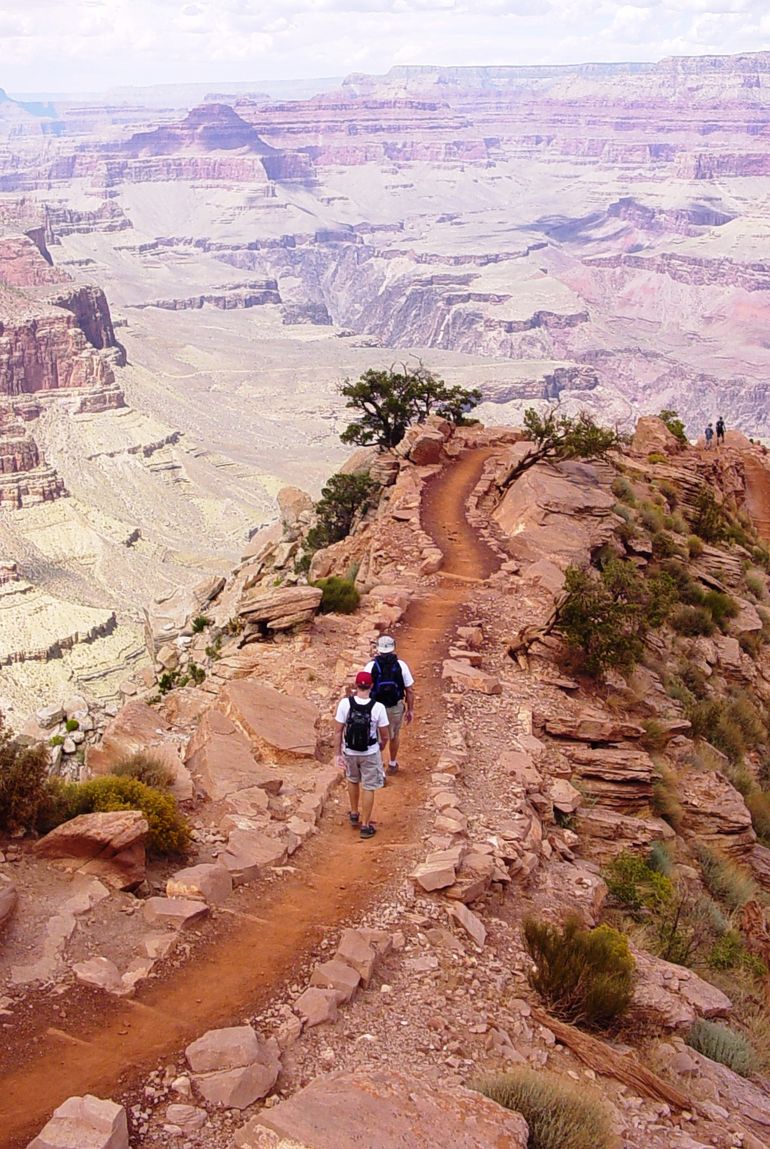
(91, 44)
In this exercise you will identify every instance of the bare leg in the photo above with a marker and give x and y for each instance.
(393, 742)
(353, 789)
(367, 803)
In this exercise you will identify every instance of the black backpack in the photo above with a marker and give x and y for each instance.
(358, 728)
(388, 678)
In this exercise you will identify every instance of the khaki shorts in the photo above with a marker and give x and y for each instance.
(365, 769)
(395, 718)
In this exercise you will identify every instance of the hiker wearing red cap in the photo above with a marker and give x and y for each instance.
(361, 733)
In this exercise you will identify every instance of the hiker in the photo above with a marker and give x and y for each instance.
(720, 430)
(394, 688)
(362, 731)
(708, 435)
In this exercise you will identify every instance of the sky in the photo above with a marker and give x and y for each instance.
(94, 45)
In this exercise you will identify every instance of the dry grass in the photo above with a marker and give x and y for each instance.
(559, 1115)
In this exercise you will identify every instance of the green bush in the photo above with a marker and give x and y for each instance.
(145, 767)
(721, 1044)
(708, 521)
(200, 623)
(656, 457)
(622, 489)
(664, 545)
(729, 952)
(725, 880)
(756, 584)
(633, 883)
(674, 424)
(665, 800)
(712, 720)
(652, 517)
(721, 606)
(340, 595)
(659, 859)
(694, 679)
(670, 493)
(169, 831)
(23, 782)
(196, 673)
(584, 976)
(692, 621)
(71, 725)
(695, 547)
(343, 499)
(559, 1115)
(758, 803)
(605, 616)
(56, 740)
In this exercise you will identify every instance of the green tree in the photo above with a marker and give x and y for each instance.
(342, 499)
(557, 436)
(387, 402)
(674, 424)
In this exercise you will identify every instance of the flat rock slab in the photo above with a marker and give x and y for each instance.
(463, 676)
(207, 882)
(102, 973)
(108, 845)
(176, 912)
(394, 1110)
(249, 853)
(279, 727)
(85, 1123)
(221, 757)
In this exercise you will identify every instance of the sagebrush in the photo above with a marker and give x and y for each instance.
(559, 1115)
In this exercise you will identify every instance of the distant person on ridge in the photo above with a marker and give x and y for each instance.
(720, 430)
(394, 688)
(708, 435)
(361, 734)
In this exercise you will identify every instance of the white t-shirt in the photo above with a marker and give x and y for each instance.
(379, 719)
(408, 679)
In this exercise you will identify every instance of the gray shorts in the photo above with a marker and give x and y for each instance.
(365, 769)
(395, 718)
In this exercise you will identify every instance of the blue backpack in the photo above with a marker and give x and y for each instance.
(388, 687)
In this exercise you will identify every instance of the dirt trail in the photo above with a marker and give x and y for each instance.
(104, 1045)
(758, 494)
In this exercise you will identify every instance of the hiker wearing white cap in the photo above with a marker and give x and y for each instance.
(394, 688)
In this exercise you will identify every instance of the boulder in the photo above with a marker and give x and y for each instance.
(188, 1118)
(85, 1123)
(395, 1109)
(336, 975)
(437, 871)
(422, 445)
(294, 505)
(358, 950)
(590, 726)
(463, 677)
(279, 727)
(8, 901)
(138, 728)
(565, 798)
(249, 853)
(177, 912)
(229, 1048)
(266, 610)
(315, 1006)
(474, 875)
(220, 756)
(715, 813)
(652, 436)
(108, 845)
(675, 994)
(470, 922)
(102, 973)
(49, 716)
(207, 883)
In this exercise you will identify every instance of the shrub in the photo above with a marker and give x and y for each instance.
(656, 457)
(145, 767)
(756, 584)
(71, 725)
(721, 1044)
(168, 680)
(725, 880)
(664, 546)
(633, 883)
(665, 800)
(604, 617)
(751, 642)
(559, 1115)
(674, 424)
(622, 489)
(200, 623)
(23, 781)
(759, 807)
(196, 673)
(729, 952)
(56, 740)
(694, 679)
(659, 859)
(584, 976)
(343, 499)
(721, 606)
(692, 621)
(711, 720)
(708, 520)
(169, 831)
(695, 547)
(669, 493)
(340, 595)
(747, 717)
(651, 517)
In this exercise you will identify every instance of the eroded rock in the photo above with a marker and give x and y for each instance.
(111, 846)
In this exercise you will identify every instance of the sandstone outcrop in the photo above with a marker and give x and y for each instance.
(715, 813)
(220, 756)
(280, 727)
(85, 1121)
(108, 845)
(265, 611)
(137, 728)
(232, 1067)
(329, 1114)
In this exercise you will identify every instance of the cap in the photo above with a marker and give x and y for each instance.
(364, 678)
(385, 644)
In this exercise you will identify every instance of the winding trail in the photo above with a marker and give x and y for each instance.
(104, 1045)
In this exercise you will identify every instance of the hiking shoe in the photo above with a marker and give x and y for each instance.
(368, 831)
(353, 818)
(392, 767)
